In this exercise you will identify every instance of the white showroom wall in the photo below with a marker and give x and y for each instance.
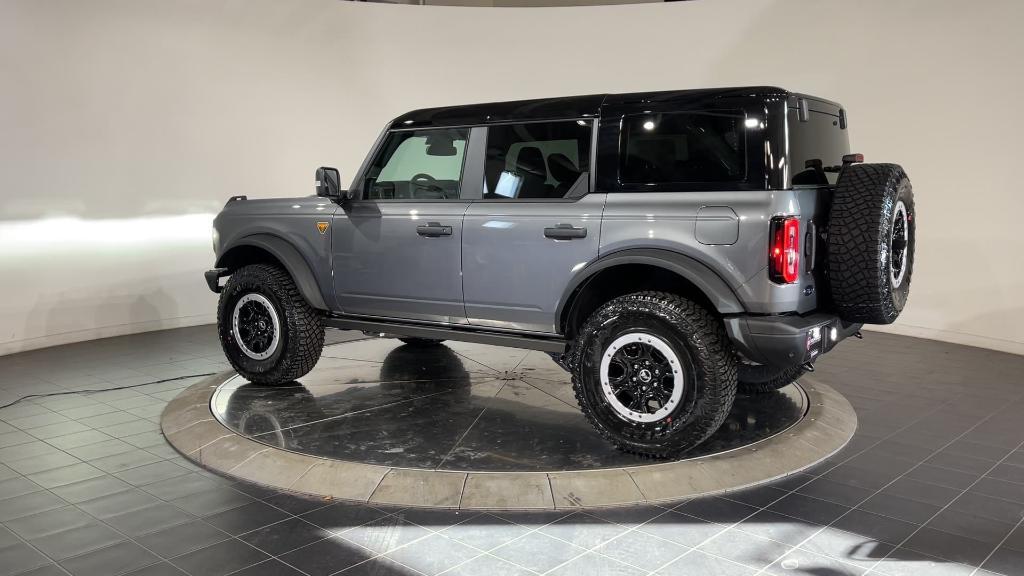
(125, 124)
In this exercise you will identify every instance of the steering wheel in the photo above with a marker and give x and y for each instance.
(423, 180)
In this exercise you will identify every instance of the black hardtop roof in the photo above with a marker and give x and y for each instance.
(579, 106)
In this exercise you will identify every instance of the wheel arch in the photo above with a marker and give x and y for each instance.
(270, 249)
(637, 270)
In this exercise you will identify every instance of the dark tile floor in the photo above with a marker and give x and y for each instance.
(932, 483)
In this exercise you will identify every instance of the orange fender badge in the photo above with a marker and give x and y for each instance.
(322, 227)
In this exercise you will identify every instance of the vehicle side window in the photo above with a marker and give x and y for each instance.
(819, 138)
(418, 165)
(683, 147)
(536, 160)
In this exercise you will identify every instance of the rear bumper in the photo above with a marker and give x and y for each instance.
(787, 340)
(213, 278)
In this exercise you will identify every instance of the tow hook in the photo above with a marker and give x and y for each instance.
(808, 366)
(858, 335)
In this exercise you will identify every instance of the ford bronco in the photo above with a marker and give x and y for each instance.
(669, 249)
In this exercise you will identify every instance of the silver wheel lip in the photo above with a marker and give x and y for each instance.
(899, 213)
(265, 302)
(678, 380)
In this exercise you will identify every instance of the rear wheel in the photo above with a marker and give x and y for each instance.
(268, 331)
(762, 379)
(654, 373)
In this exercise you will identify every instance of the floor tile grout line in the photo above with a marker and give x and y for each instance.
(376, 554)
(633, 529)
(950, 503)
(530, 531)
(521, 360)
(271, 557)
(998, 546)
(461, 355)
(34, 547)
(264, 561)
(464, 434)
(332, 535)
(687, 548)
(440, 533)
(876, 492)
(524, 381)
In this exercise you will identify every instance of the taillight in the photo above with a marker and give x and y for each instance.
(784, 255)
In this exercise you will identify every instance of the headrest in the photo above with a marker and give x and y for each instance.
(531, 159)
(563, 169)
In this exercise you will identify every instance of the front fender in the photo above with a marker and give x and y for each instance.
(289, 257)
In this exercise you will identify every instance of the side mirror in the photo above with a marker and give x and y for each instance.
(327, 183)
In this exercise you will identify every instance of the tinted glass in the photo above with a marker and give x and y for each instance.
(418, 165)
(817, 138)
(536, 160)
(683, 147)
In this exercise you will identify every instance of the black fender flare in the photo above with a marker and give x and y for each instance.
(289, 257)
(722, 297)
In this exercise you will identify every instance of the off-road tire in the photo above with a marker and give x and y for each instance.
(695, 336)
(763, 379)
(860, 247)
(301, 326)
(421, 341)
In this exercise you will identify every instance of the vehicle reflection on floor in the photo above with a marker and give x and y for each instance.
(454, 406)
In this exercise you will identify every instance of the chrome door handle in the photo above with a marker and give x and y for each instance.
(433, 230)
(565, 232)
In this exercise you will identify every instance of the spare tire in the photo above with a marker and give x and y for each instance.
(871, 243)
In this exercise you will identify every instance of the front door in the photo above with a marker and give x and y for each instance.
(534, 228)
(397, 247)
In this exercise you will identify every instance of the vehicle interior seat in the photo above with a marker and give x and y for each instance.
(564, 170)
(531, 168)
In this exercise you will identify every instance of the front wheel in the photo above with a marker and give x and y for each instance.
(268, 331)
(654, 373)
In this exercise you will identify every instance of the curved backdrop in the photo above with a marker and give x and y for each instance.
(126, 124)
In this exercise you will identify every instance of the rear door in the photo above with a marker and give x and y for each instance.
(534, 227)
(397, 247)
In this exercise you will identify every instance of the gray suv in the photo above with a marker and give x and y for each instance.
(668, 249)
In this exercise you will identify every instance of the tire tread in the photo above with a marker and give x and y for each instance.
(715, 350)
(858, 277)
(303, 326)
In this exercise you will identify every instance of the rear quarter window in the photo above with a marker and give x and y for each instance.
(683, 147)
(819, 137)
